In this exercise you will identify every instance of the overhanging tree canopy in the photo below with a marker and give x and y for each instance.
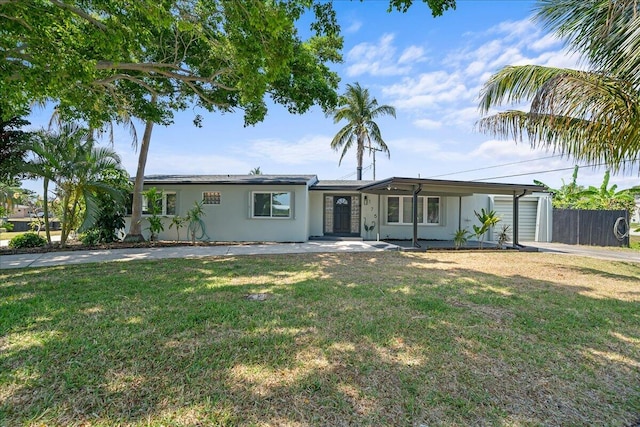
(101, 60)
(589, 115)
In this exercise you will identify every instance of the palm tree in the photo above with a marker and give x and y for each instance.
(592, 115)
(10, 194)
(357, 107)
(72, 161)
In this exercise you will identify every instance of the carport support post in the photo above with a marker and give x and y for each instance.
(417, 190)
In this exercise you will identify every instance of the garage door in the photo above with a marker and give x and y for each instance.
(528, 211)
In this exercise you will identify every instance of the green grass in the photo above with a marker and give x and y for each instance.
(634, 242)
(397, 339)
(8, 235)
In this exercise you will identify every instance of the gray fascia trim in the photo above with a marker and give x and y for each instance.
(334, 188)
(275, 181)
(466, 186)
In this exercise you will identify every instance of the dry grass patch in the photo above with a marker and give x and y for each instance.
(351, 339)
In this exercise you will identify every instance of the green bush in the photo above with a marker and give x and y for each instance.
(91, 237)
(27, 240)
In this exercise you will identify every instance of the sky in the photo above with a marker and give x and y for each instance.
(430, 69)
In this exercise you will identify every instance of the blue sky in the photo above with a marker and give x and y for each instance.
(430, 69)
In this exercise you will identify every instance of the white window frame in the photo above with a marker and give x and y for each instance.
(217, 198)
(271, 216)
(145, 204)
(425, 210)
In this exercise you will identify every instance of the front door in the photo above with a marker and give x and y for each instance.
(342, 214)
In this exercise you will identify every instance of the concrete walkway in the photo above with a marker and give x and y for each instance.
(109, 255)
(80, 257)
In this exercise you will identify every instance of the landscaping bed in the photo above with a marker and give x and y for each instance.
(77, 246)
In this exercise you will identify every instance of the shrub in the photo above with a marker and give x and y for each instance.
(27, 240)
(91, 237)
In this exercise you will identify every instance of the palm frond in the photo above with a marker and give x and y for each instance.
(590, 116)
(359, 109)
(606, 31)
(515, 84)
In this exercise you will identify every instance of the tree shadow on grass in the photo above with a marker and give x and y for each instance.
(341, 341)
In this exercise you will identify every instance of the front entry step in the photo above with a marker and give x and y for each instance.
(337, 238)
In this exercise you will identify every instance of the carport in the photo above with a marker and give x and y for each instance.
(413, 186)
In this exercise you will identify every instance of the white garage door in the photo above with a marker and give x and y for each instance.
(528, 211)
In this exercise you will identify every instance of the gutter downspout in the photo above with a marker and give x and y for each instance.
(415, 215)
(516, 199)
(379, 218)
(459, 212)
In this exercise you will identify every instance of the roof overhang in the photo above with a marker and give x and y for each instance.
(307, 180)
(402, 186)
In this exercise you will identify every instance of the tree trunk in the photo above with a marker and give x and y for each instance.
(135, 229)
(360, 154)
(65, 220)
(45, 211)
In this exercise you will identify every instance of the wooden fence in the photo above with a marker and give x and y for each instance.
(590, 227)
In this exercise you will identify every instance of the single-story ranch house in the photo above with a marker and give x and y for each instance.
(296, 208)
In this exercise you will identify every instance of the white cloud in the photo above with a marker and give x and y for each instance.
(463, 117)
(307, 151)
(208, 164)
(412, 54)
(380, 59)
(427, 124)
(510, 56)
(423, 150)
(515, 29)
(428, 90)
(547, 42)
(503, 150)
(353, 27)
(476, 67)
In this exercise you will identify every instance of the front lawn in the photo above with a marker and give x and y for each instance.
(8, 235)
(399, 339)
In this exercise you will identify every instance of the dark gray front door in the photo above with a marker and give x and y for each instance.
(342, 214)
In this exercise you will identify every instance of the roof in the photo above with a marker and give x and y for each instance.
(339, 184)
(232, 179)
(394, 185)
(398, 185)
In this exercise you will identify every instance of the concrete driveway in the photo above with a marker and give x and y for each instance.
(80, 257)
(613, 254)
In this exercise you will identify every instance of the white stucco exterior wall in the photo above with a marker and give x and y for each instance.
(449, 216)
(316, 213)
(232, 219)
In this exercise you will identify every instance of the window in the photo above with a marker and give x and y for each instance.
(433, 210)
(211, 197)
(393, 209)
(166, 205)
(271, 205)
(407, 209)
(400, 210)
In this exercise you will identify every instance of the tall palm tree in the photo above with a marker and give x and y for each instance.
(359, 110)
(592, 115)
(71, 160)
